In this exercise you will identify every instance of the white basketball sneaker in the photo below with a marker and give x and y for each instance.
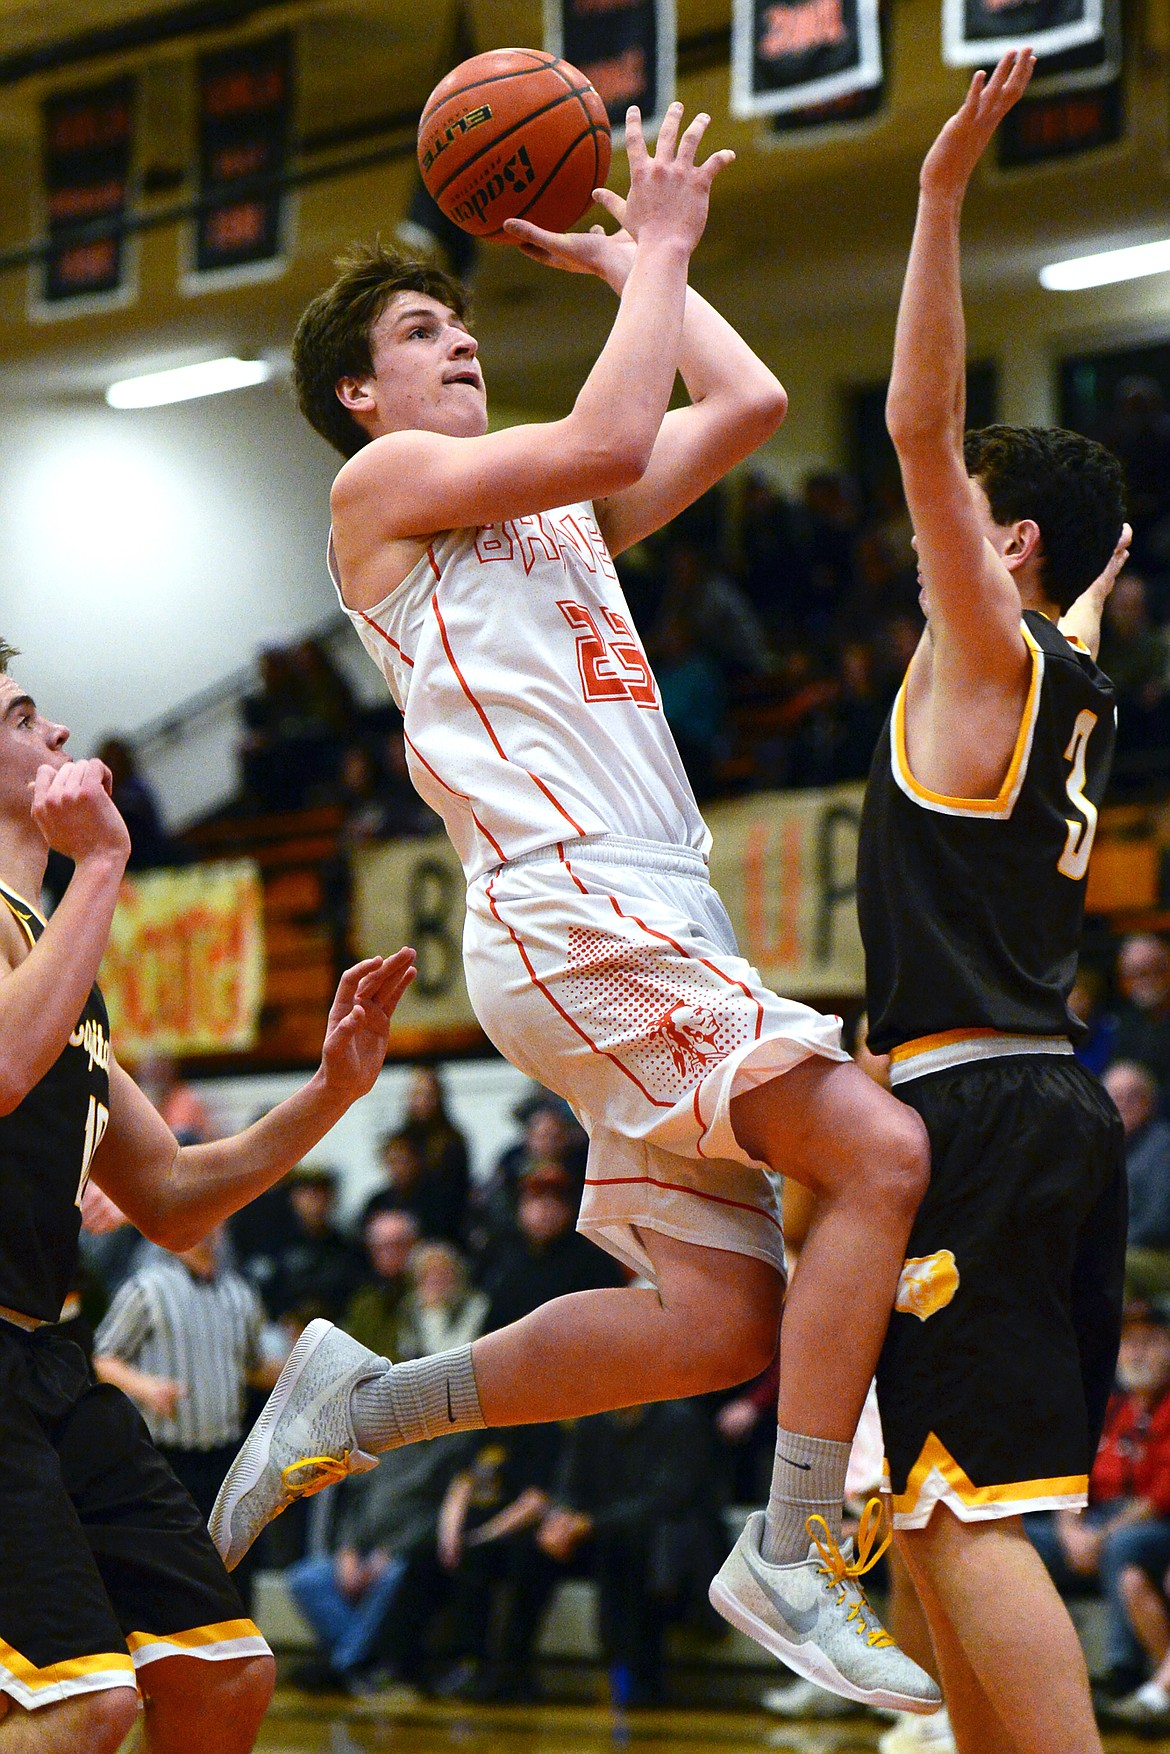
(815, 1617)
(302, 1441)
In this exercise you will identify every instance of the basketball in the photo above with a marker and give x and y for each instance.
(513, 134)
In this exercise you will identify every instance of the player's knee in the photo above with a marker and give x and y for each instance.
(107, 1719)
(248, 1684)
(899, 1162)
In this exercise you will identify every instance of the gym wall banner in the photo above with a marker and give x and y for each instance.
(87, 149)
(245, 127)
(625, 48)
(975, 33)
(184, 969)
(794, 54)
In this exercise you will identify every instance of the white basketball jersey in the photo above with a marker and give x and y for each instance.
(530, 712)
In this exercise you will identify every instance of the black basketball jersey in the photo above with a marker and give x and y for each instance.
(971, 909)
(46, 1147)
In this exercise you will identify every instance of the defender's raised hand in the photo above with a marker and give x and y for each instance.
(358, 1030)
(963, 140)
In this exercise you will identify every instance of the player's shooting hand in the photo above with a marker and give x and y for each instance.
(669, 192)
(948, 165)
(609, 255)
(74, 809)
(358, 1031)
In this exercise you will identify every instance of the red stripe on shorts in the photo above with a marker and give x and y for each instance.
(560, 1009)
(620, 1181)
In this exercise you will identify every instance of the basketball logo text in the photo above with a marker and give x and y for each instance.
(515, 173)
(461, 125)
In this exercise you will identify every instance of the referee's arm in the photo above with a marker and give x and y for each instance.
(176, 1194)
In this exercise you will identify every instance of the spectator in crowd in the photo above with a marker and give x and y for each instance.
(1147, 1164)
(693, 692)
(1087, 1002)
(1134, 655)
(713, 609)
(442, 1308)
(182, 1338)
(310, 1268)
(371, 1598)
(375, 1312)
(500, 1579)
(551, 1135)
(294, 727)
(775, 561)
(442, 1150)
(150, 844)
(636, 1493)
(1138, 432)
(436, 1200)
(1143, 1014)
(545, 1257)
(1126, 1528)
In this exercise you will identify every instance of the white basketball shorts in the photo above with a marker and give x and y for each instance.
(607, 969)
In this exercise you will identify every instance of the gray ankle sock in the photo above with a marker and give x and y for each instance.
(808, 1479)
(425, 1397)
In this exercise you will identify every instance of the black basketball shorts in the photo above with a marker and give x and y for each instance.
(1001, 1350)
(105, 1564)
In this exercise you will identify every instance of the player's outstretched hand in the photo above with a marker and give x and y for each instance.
(948, 165)
(74, 809)
(358, 1030)
(669, 192)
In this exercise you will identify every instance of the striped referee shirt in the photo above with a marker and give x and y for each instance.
(204, 1333)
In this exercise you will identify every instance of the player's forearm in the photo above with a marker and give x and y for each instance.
(620, 407)
(207, 1183)
(926, 401)
(42, 999)
(720, 371)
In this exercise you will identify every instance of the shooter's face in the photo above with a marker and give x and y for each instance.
(426, 375)
(27, 741)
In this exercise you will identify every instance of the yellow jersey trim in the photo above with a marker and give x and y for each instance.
(922, 1044)
(912, 1508)
(14, 904)
(994, 809)
(195, 1636)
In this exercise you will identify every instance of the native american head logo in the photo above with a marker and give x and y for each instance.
(927, 1284)
(691, 1032)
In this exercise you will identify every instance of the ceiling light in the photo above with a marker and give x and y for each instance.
(187, 381)
(1108, 266)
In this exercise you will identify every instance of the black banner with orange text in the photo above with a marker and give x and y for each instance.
(789, 55)
(625, 48)
(87, 147)
(245, 129)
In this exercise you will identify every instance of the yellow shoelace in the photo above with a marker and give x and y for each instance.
(329, 1470)
(845, 1573)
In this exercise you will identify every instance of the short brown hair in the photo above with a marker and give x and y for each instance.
(332, 340)
(7, 653)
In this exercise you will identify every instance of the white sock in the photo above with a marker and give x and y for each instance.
(808, 1479)
(1154, 1695)
(425, 1397)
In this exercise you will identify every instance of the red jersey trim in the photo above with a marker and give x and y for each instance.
(486, 832)
(487, 724)
(370, 622)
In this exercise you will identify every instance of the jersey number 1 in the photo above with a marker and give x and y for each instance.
(1074, 861)
(95, 1126)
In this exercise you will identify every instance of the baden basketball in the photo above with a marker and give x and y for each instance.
(513, 134)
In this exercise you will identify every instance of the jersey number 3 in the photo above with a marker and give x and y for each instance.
(1074, 861)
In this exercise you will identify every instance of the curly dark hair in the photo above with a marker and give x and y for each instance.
(1073, 488)
(332, 339)
(7, 653)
